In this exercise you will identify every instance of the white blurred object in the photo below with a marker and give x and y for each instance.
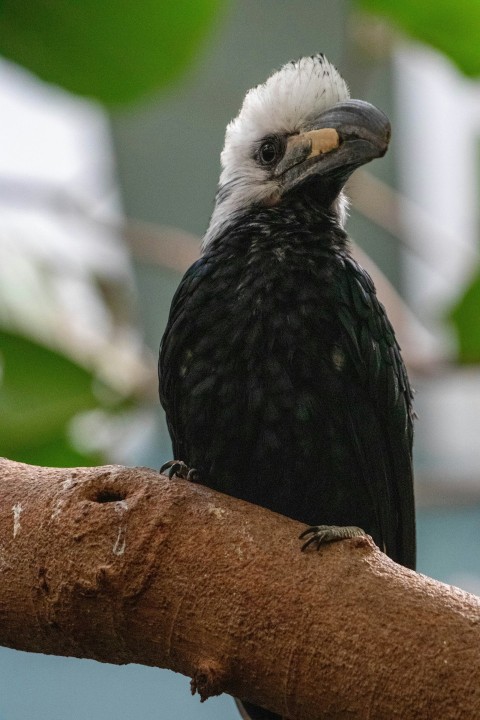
(436, 140)
(447, 432)
(65, 275)
(122, 436)
(438, 127)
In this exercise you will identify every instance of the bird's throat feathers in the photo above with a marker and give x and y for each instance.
(299, 224)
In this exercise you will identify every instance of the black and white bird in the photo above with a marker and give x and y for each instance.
(280, 374)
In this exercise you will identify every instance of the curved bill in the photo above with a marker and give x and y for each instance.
(345, 136)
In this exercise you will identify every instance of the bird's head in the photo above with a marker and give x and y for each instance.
(296, 133)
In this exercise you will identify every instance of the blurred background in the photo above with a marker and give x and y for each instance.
(112, 118)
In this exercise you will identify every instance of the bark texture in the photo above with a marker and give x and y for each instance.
(124, 565)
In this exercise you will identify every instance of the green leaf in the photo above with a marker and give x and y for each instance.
(465, 317)
(451, 27)
(114, 51)
(40, 392)
(57, 452)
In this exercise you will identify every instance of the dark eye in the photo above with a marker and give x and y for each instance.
(269, 151)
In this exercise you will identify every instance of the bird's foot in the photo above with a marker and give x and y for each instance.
(179, 469)
(321, 534)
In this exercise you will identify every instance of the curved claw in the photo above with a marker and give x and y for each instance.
(166, 466)
(193, 475)
(180, 469)
(175, 467)
(321, 534)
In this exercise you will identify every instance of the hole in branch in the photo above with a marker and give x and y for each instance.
(109, 496)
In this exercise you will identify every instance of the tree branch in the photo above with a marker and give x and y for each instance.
(124, 565)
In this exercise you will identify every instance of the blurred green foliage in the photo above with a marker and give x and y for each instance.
(451, 26)
(465, 318)
(113, 51)
(40, 392)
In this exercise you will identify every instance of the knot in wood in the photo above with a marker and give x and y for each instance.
(208, 679)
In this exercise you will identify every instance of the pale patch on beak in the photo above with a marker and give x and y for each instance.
(307, 146)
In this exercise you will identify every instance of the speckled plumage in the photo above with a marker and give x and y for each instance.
(282, 380)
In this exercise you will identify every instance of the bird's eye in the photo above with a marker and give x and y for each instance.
(269, 152)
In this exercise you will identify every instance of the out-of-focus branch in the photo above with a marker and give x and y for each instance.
(394, 212)
(123, 565)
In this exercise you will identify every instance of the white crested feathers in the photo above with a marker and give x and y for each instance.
(285, 103)
(292, 96)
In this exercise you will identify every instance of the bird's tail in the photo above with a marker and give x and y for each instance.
(254, 712)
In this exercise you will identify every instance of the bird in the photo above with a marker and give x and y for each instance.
(280, 374)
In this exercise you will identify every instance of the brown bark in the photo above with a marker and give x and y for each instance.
(123, 565)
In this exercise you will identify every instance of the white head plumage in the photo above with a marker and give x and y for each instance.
(284, 104)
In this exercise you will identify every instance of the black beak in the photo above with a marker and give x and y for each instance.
(341, 139)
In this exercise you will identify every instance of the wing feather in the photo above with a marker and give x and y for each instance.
(382, 435)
